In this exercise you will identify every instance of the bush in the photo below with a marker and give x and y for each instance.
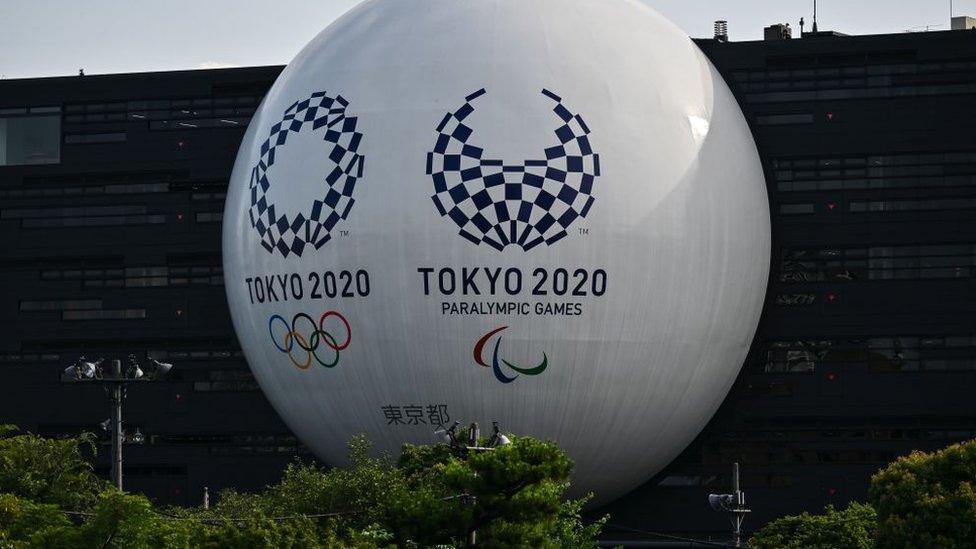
(852, 528)
(927, 499)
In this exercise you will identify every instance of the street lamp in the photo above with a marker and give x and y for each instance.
(115, 383)
(449, 436)
(734, 504)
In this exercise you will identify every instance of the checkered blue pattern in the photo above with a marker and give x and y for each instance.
(523, 204)
(313, 226)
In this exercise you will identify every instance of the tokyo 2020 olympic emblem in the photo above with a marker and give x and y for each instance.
(496, 363)
(332, 200)
(309, 337)
(524, 203)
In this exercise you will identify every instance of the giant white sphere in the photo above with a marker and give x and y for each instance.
(549, 213)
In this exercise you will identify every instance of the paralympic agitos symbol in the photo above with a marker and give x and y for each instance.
(496, 362)
(311, 342)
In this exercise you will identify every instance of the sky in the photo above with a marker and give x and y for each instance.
(57, 37)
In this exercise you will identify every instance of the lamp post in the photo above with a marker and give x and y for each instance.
(115, 383)
(449, 435)
(734, 504)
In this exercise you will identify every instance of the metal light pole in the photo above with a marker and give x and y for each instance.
(115, 383)
(449, 435)
(739, 511)
(116, 392)
(734, 504)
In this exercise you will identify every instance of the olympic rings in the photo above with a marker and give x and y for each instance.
(344, 321)
(309, 344)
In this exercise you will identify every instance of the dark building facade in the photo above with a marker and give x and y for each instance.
(111, 192)
(867, 345)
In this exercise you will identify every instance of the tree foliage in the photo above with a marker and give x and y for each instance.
(851, 528)
(920, 500)
(927, 499)
(432, 496)
(20, 518)
(47, 470)
(510, 495)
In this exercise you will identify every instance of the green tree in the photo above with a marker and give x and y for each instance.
(851, 528)
(434, 495)
(21, 519)
(511, 496)
(355, 498)
(45, 470)
(572, 531)
(927, 499)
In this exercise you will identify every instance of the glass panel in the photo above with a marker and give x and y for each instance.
(30, 140)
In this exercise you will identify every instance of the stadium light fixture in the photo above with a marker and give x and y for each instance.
(449, 436)
(497, 437)
(160, 369)
(134, 371)
(115, 383)
(138, 437)
(82, 369)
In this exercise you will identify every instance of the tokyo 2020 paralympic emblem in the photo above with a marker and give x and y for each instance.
(496, 363)
(308, 336)
(333, 200)
(523, 204)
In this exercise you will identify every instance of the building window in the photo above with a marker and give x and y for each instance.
(150, 276)
(91, 216)
(104, 314)
(912, 205)
(61, 305)
(796, 209)
(89, 138)
(784, 119)
(113, 183)
(165, 114)
(909, 262)
(880, 353)
(210, 217)
(799, 356)
(795, 300)
(30, 136)
(892, 171)
(868, 80)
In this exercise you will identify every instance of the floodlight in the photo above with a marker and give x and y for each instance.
(160, 369)
(70, 373)
(138, 437)
(447, 435)
(497, 438)
(720, 502)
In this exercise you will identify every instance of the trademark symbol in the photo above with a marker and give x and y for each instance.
(584, 231)
(343, 232)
